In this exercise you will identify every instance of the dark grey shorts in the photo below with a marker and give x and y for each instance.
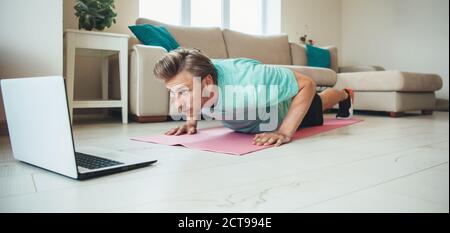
(314, 117)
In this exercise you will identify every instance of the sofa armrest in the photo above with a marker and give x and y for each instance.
(354, 69)
(133, 41)
(321, 76)
(148, 96)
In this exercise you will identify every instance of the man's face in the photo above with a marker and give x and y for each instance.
(186, 93)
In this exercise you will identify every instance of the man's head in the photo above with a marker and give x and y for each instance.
(179, 68)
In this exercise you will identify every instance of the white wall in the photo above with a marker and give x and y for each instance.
(322, 17)
(31, 42)
(408, 35)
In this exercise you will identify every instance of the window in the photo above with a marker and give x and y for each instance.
(206, 13)
(249, 16)
(166, 11)
(245, 16)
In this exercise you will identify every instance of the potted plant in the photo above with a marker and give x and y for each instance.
(95, 14)
(304, 40)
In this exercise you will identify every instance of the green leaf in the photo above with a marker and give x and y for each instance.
(98, 14)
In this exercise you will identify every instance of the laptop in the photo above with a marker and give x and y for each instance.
(40, 131)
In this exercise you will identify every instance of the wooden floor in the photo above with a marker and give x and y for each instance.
(380, 165)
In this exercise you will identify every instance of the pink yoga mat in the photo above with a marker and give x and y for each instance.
(223, 140)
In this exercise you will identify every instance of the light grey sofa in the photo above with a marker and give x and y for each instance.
(394, 92)
(376, 90)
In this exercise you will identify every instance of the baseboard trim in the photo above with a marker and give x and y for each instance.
(4, 128)
(149, 119)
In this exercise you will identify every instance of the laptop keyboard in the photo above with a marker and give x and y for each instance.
(93, 162)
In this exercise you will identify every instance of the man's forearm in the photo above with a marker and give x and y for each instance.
(299, 106)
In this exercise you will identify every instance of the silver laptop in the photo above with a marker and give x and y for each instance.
(41, 133)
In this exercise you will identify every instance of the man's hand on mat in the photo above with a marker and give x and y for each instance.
(188, 128)
(268, 139)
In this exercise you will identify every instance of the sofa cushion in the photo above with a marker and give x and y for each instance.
(321, 76)
(267, 49)
(209, 40)
(298, 53)
(396, 81)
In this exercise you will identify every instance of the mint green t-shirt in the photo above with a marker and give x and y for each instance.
(253, 84)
